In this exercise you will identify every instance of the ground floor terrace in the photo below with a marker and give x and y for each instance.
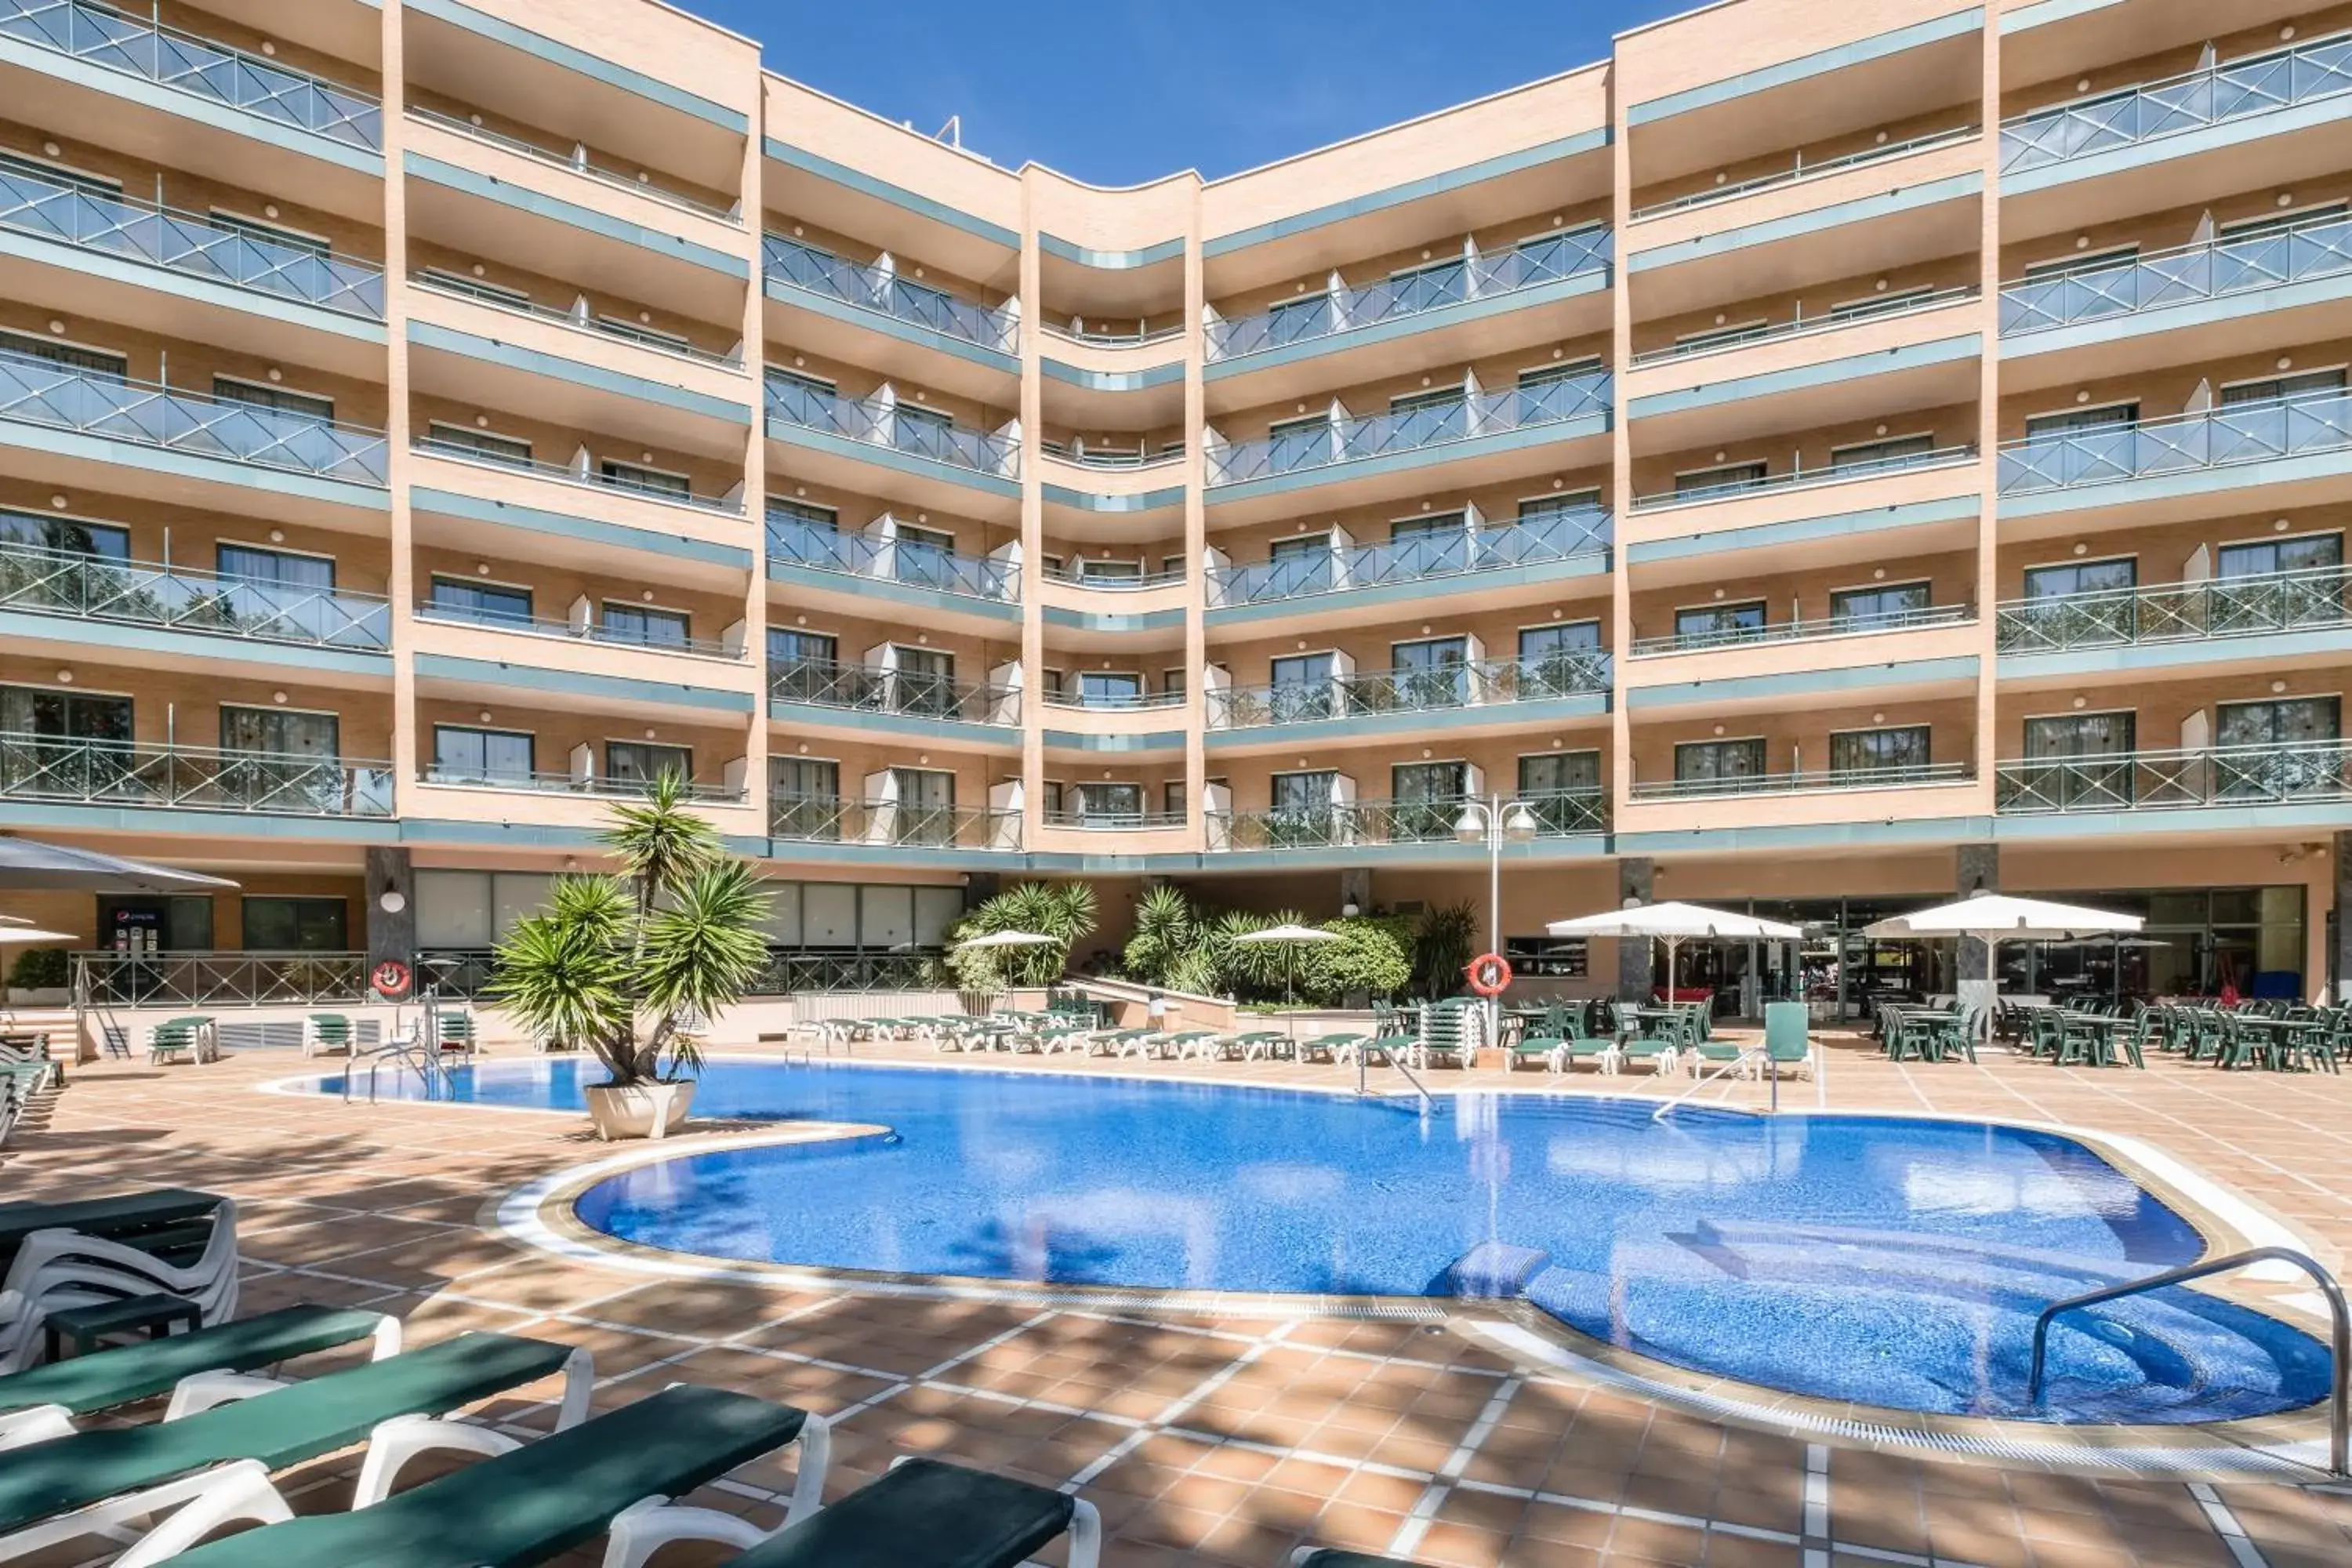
(1229, 1437)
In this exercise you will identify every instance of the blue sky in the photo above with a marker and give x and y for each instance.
(1117, 92)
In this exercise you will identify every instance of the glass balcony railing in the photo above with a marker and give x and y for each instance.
(1413, 429)
(1360, 824)
(190, 778)
(1102, 457)
(818, 271)
(1800, 170)
(2230, 89)
(627, 333)
(1802, 325)
(886, 824)
(876, 424)
(868, 688)
(1924, 616)
(184, 242)
(1098, 576)
(1102, 335)
(105, 37)
(2188, 443)
(2295, 774)
(1332, 314)
(1571, 534)
(1799, 783)
(140, 592)
(1833, 473)
(1363, 693)
(1115, 821)
(626, 483)
(568, 631)
(2215, 270)
(2178, 612)
(793, 542)
(37, 392)
(1073, 697)
(575, 162)
(536, 782)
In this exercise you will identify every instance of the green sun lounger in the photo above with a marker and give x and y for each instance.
(530, 1503)
(922, 1513)
(219, 1460)
(1328, 1557)
(41, 1403)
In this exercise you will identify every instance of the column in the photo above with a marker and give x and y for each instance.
(390, 933)
(1975, 867)
(979, 887)
(1634, 882)
(2338, 942)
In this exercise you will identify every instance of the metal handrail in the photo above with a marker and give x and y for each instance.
(1801, 631)
(2339, 1397)
(496, 300)
(1803, 325)
(1804, 478)
(1115, 821)
(1079, 577)
(565, 474)
(2297, 772)
(1564, 535)
(165, 236)
(875, 423)
(41, 392)
(874, 689)
(542, 782)
(1794, 782)
(105, 36)
(1113, 457)
(1122, 702)
(1339, 312)
(190, 778)
(2214, 439)
(799, 265)
(1802, 171)
(794, 541)
(2227, 89)
(578, 165)
(2177, 612)
(1094, 338)
(2183, 274)
(140, 593)
(1533, 678)
(569, 631)
(1337, 442)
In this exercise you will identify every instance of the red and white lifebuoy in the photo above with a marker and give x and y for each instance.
(1489, 975)
(389, 979)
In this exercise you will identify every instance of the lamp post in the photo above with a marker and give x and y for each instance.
(1496, 819)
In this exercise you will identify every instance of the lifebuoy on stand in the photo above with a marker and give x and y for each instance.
(1489, 975)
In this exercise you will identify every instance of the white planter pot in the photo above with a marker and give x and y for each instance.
(639, 1110)
(38, 996)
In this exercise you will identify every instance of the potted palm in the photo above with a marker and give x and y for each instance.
(631, 967)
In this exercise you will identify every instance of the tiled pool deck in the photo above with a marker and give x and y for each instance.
(1210, 1441)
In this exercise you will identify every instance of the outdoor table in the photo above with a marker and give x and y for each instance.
(120, 1218)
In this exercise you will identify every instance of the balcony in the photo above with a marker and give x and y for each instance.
(1807, 478)
(1369, 694)
(1799, 172)
(177, 598)
(1343, 443)
(1365, 824)
(2177, 612)
(578, 631)
(878, 424)
(1797, 782)
(1113, 459)
(1806, 631)
(887, 824)
(580, 472)
(1117, 821)
(2310, 772)
(121, 773)
(1091, 576)
(580, 321)
(2189, 275)
(2229, 90)
(569, 784)
(1114, 701)
(794, 542)
(190, 244)
(1473, 280)
(34, 392)
(1582, 534)
(576, 162)
(1804, 326)
(2219, 438)
(883, 292)
(872, 688)
(103, 36)
(1109, 337)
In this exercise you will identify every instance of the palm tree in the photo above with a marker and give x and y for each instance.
(680, 938)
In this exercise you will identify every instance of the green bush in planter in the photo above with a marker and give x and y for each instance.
(41, 969)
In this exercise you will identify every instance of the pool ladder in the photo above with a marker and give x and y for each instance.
(2339, 1398)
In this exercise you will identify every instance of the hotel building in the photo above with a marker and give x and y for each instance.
(1820, 458)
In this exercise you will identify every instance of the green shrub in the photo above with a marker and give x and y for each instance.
(41, 969)
(1371, 958)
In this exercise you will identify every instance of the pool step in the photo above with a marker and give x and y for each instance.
(1492, 1271)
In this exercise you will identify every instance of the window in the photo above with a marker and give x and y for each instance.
(1703, 625)
(63, 535)
(1172, 799)
(925, 431)
(1563, 788)
(1425, 545)
(924, 555)
(1172, 682)
(1305, 316)
(2081, 421)
(789, 644)
(1557, 659)
(2083, 261)
(465, 755)
(295, 925)
(1302, 564)
(275, 568)
(1868, 456)
(1427, 797)
(802, 399)
(1565, 523)
(642, 481)
(142, 922)
(280, 732)
(2285, 722)
(2255, 228)
(2079, 602)
(2082, 577)
(465, 441)
(642, 762)
(78, 715)
(2074, 735)
(2284, 747)
(1430, 673)
(1109, 688)
(1546, 957)
(644, 624)
(638, 332)
(489, 293)
(1109, 805)
(275, 399)
(797, 531)
(2308, 553)
(1854, 609)
(926, 810)
(1713, 762)
(2277, 388)
(463, 599)
(1880, 304)
(268, 234)
(804, 798)
(1295, 443)
(1728, 479)
(29, 172)
(66, 356)
(1301, 687)
(1901, 750)
(1429, 285)
(1723, 337)
(925, 681)
(1554, 391)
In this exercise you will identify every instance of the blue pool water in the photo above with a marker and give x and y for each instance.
(1891, 1262)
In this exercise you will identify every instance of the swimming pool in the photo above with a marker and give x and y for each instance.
(1893, 1262)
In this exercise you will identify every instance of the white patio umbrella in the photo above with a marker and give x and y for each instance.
(1294, 936)
(1676, 923)
(1993, 917)
(13, 932)
(1007, 939)
(30, 863)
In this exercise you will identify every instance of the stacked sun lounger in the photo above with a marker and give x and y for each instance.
(55, 1257)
